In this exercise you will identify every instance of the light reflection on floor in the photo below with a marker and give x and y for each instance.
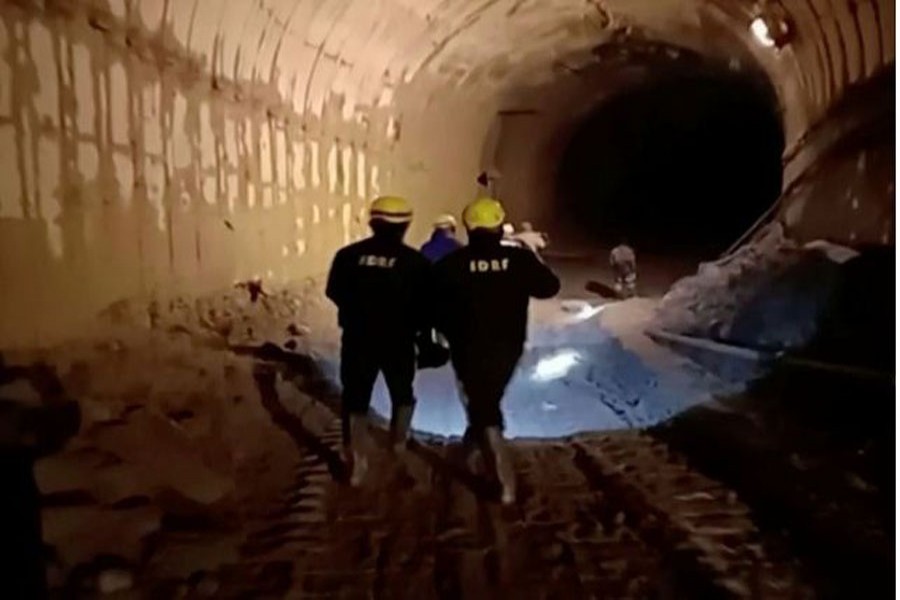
(574, 376)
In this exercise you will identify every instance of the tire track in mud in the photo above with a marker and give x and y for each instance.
(585, 550)
(470, 534)
(701, 524)
(612, 516)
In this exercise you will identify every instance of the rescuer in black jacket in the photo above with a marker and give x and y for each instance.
(483, 292)
(380, 286)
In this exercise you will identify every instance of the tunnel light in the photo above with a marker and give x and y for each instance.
(588, 312)
(772, 27)
(760, 30)
(555, 366)
(580, 310)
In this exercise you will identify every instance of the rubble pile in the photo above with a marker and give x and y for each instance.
(175, 449)
(768, 295)
(173, 437)
(167, 427)
(247, 314)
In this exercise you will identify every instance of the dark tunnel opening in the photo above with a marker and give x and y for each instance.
(683, 164)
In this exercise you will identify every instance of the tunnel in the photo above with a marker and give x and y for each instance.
(683, 164)
(141, 128)
(178, 175)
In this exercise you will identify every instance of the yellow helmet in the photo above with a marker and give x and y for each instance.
(484, 213)
(390, 209)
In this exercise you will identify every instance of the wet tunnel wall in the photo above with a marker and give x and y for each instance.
(840, 183)
(169, 147)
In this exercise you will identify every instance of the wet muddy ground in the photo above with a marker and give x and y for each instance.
(211, 467)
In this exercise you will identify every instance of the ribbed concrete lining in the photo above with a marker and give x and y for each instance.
(364, 50)
(137, 129)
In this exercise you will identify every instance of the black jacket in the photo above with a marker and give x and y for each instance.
(483, 291)
(381, 288)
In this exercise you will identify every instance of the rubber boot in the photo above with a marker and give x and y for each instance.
(401, 419)
(631, 289)
(500, 461)
(359, 438)
(471, 448)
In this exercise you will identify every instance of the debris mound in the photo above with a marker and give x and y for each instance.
(770, 295)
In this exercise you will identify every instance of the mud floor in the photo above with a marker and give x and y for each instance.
(209, 465)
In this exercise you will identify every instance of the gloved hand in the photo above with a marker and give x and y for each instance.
(430, 354)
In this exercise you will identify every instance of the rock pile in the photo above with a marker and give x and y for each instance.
(768, 295)
(171, 423)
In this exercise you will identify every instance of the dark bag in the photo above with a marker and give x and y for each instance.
(431, 354)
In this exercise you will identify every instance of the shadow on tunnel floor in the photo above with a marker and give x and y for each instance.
(446, 457)
(812, 454)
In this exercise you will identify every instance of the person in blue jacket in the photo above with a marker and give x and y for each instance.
(443, 240)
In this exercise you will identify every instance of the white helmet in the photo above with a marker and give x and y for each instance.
(445, 222)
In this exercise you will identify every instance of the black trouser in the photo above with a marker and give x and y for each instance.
(362, 358)
(23, 574)
(626, 278)
(484, 371)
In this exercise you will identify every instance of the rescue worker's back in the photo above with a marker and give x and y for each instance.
(380, 287)
(483, 292)
(377, 284)
(485, 288)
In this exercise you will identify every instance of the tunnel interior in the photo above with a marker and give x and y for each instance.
(681, 163)
(177, 176)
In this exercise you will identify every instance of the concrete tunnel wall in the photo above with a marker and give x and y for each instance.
(162, 147)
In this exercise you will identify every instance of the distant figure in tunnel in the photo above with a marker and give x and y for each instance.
(483, 291)
(624, 265)
(443, 239)
(380, 286)
(27, 432)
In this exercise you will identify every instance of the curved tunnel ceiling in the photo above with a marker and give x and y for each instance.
(442, 68)
(365, 50)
